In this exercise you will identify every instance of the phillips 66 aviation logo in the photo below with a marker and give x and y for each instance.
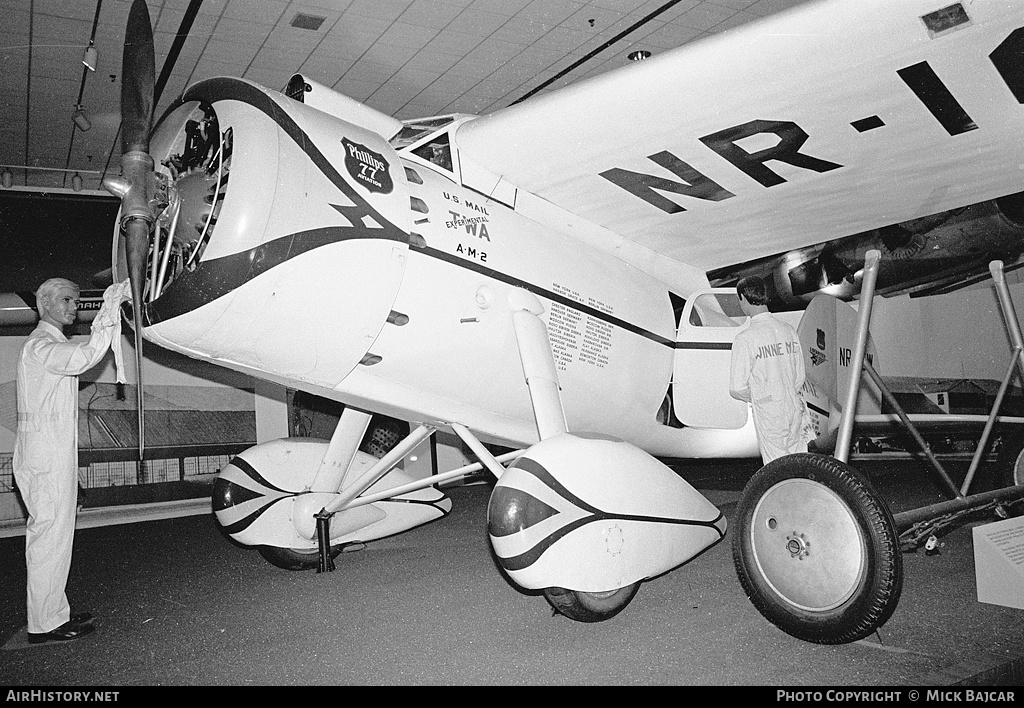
(818, 354)
(367, 167)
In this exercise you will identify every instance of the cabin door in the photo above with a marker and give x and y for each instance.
(700, 380)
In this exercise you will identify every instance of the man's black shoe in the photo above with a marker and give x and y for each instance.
(64, 633)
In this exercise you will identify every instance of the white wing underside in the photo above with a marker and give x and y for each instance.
(830, 68)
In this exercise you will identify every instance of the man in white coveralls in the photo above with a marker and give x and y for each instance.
(767, 371)
(46, 448)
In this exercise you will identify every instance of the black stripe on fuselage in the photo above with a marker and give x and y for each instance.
(702, 345)
(217, 277)
(544, 292)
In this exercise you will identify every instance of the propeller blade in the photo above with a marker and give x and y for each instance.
(137, 217)
(137, 245)
(138, 71)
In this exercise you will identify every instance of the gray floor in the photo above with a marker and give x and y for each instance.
(180, 604)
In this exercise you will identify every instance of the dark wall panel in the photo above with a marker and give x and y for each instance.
(44, 236)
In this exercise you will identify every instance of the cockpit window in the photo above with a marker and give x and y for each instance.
(407, 136)
(438, 151)
(414, 130)
(717, 310)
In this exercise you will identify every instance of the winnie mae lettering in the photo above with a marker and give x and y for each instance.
(766, 351)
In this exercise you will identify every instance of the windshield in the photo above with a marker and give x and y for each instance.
(416, 129)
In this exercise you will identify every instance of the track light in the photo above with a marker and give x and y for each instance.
(638, 55)
(90, 58)
(77, 180)
(80, 119)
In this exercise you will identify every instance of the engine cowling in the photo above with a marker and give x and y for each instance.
(275, 209)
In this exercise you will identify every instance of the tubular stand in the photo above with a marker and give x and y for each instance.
(867, 294)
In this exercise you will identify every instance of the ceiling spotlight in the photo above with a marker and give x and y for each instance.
(638, 55)
(7, 179)
(76, 182)
(80, 119)
(90, 58)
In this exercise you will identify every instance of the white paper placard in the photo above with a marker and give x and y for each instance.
(999, 562)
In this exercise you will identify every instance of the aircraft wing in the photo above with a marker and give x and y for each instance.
(879, 423)
(831, 119)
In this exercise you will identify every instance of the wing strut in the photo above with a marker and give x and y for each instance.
(365, 481)
(538, 363)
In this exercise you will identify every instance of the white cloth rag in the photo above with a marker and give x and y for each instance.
(110, 316)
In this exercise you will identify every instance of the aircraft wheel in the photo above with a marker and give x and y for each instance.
(292, 559)
(590, 606)
(1011, 466)
(1012, 463)
(816, 550)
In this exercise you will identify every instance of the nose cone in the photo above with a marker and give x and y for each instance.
(271, 221)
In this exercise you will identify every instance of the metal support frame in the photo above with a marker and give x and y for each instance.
(368, 478)
(867, 295)
(350, 498)
(990, 423)
(906, 520)
(1006, 305)
(942, 513)
(905, 419)
(431, 481)
(482, 453)
(383, 466)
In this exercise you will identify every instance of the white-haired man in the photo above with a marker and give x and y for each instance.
(46, 449)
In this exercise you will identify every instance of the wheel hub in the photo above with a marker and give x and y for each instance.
(817, 581)
(797, 545)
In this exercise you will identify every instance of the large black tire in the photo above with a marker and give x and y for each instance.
(816, 550)
(590, 606)
(291, 559)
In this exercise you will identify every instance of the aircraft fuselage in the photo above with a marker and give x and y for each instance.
(307, 251)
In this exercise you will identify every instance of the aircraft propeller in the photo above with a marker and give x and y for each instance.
(137, 183)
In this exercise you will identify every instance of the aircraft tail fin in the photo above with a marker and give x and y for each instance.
(827, 333)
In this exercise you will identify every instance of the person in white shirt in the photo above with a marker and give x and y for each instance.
(767, 371)
(46, 449)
